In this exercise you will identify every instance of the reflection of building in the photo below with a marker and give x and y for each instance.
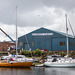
(46, 39)
(5, 45)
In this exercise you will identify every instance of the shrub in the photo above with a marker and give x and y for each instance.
(11, 52)
(38, 52)
(63, 54)
(23, 52)
(49, 53)
(72, 54)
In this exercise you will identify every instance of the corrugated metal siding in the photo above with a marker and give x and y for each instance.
(42, 42)
(49, 42)
(72, 47)
(56, 44)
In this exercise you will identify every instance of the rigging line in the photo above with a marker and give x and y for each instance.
(27, 41)
(28, 45)
(71, 27)
(25, 36)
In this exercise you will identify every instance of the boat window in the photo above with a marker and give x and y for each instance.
(54, 60)
(19, 57)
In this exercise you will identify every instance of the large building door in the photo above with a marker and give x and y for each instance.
(42, 42)
(48, 44)
(37, 43)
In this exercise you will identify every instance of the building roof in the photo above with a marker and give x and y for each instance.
(44, 30)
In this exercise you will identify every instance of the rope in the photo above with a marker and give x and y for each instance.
(71, 27)
(26, 40)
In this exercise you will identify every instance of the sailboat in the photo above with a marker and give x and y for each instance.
(15, 63)
(57, 61)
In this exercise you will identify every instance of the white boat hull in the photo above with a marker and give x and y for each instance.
(54, 64)
(41, 65)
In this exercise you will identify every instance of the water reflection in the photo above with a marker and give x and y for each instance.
(14, 71)
(37, 71)
(60, 71)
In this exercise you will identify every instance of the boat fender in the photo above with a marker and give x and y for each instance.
(12, 59)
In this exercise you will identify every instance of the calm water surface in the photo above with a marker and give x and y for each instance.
(37, 71)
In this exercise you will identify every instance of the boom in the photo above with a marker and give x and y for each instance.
(8, 36)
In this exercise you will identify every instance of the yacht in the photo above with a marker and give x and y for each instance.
(58, 61)
(16, 61)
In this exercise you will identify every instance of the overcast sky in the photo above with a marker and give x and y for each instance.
(33, 14)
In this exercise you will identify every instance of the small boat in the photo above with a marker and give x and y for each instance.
(40, 65)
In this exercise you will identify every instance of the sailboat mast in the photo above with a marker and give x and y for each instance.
(67, 37)
(16, 30)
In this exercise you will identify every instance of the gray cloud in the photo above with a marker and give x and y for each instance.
(65, 4)
(33, 12)
(7, 9)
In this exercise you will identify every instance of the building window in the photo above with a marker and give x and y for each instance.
(72, 43)
(3, 49)
(20, 43)
(62, 43)
(32, 43)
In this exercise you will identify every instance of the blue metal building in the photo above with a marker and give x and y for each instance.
(47, 39)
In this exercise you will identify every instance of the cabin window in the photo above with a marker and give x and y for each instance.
(72, 43)
(62, 43)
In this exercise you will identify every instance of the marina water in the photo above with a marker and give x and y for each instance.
(37, 71)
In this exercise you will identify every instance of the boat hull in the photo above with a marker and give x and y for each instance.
(17, 64)
(60, 64)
